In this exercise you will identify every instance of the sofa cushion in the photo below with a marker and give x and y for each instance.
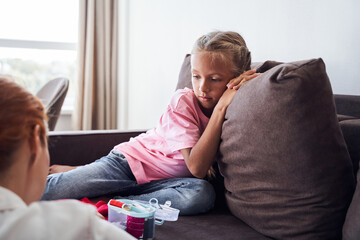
(351, 131)
(214, 225)
(185, 74)
(342, 117)
(347, 105)
(285, 164)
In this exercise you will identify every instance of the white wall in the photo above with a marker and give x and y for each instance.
(161, 32)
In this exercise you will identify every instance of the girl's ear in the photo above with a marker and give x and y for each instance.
(35, 141)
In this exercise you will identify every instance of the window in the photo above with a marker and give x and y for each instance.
(38, 41)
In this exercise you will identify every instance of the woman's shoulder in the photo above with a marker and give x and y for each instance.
(80, 219)
(64, 206)
(42, 220)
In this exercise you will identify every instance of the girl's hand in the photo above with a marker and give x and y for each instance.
(233, 85)
(236, 83)
(226, 99)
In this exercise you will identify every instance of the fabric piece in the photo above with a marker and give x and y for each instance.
(285, 164)
(66, 219)
(156, 154)
(101, 206)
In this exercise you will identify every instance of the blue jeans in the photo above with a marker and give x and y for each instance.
(111, 175)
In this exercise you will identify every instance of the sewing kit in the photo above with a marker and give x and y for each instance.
(139, 217)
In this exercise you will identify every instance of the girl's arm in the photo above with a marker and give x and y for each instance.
(200, 158)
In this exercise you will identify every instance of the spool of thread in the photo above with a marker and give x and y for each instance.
(119, 204)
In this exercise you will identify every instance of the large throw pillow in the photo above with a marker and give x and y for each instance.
(185, 74)
(286, 167)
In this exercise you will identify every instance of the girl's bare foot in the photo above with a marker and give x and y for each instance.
(60, 168)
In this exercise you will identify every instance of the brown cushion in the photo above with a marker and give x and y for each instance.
(264, 66)
(286, 167)
(185, 74)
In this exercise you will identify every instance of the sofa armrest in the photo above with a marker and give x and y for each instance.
(347, 105)
(81, 147)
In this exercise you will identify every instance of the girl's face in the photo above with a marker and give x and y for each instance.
(210, 74)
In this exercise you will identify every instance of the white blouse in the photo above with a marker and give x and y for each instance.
(63, 219)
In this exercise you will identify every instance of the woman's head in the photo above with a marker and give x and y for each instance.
(22, 123)
(217, 58)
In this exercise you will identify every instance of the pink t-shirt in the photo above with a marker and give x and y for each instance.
(156, 154)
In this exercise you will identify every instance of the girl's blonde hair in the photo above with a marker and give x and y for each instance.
(229, 45)
(20, 112)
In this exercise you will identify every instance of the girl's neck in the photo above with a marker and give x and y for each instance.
(206, 112)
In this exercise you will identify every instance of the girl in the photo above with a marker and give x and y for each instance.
(24, 166)
(163, 162)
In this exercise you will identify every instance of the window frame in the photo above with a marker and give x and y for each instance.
(34, 44)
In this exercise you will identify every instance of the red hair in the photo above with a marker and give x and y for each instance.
(20, 112)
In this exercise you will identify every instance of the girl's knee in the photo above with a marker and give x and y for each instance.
(205, 188)
(202, 198)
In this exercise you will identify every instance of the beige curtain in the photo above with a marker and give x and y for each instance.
(96, 96)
